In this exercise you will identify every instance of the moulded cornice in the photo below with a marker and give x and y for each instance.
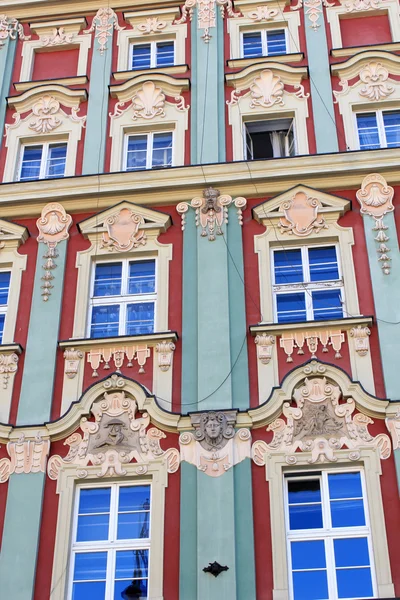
(88, 344)
(152, 188)
(124, 75)
(352, 50)
(270, 209)
(289, 75)
(279, 328)
(272, 407)
(170, 85)
(75, 24)
(11, 232)
(23, 86)
(352, 67)
(172, 12)
(65, 96)
(242, 63)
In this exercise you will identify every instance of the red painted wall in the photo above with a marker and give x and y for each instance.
(56, 64)
(365, 30)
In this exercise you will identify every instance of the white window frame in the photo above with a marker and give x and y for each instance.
(379, 122)
(44, 163)
(123, 299)
(112, 545)
(4, 307)
(328, 533)
(264, 34)
(153, 51)
(287, 147)
(149, 150)
(307, 286)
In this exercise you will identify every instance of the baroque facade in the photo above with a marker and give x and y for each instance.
(199, 299)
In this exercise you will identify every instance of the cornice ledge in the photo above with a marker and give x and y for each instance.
(279, 328)
(90, 343)
(289, 75)
(351, 68)
(71, 98)
(172, 86)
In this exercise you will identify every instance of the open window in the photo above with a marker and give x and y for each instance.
(269, 139)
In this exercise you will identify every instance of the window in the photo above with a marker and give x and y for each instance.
(111, 543)
(43, 161)
(153, 54)
(328, 537)
(307, 284)
(380, 129)
(123, 298)
(5, 278)
(149, 151)
(263, 43)
(269, 139)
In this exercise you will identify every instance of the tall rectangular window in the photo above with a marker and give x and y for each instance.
(263, 43)
(123, 298)
(148, 151)
(273, 138)
(153, 54)
(5, 278)
(111, 543)
(43, 161)
(380, 129)
(307, 284)
(328, 537)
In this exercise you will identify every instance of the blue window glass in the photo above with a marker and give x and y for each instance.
(134, 513)
(308, 555)
(56, 161)
(276, 42)
(288, 267)
(105, 321)
(252, 45)
(344, 485)
(309, 570)
(323, 263)
(291, 307)
(165, 54)
(93, 514)
(353, 572)
(5, 278)
(347, 506)
(142, 277)
(31, 162)
(368, 133)
(131, 574)
(90, 576)
(310, 585)
(137, 152)
(327, 304)
(305, 508)
(2, 321)
(107, 279)
(140, 318)
(141, 56)
(391, 121)
(162, 150)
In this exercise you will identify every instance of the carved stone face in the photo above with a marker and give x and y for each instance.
(213, 428)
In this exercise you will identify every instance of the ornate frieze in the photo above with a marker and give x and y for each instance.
(211, 211)
(53, 226)
(11, 28)
(151, 25)
(263, 13)
(301, 215)
(26, 456)
(321, 425)
(206, 14)
(393, 425)
(297, 339)
(165, 352)
(8, 366)
(119, 355)
(123, 231)
(361, 339)
(116, 437)
(375, 198)
(58, 38)
(215, 446)
(312, 9)
(104, 22)
(264, 345)
(362, 5)
(374, 75)
(72, 360)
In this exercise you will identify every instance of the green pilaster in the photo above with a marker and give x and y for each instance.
(7, 54)
(96, 124)
(244, 532)
(321, 87)
(21, 536)
(188, 542)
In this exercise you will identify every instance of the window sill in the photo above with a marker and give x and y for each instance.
(23, 86)
(279, 328)
(148, 339)
(130, 74)
(241, 63)
(353, 50)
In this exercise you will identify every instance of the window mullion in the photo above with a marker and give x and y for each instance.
(330, 567)
(264, 42)
(149, 152)
(43, 163)
(381, 129)
(153, 54)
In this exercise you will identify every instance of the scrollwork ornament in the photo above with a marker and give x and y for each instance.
(104, 22)
(267, 90)
(46, 113)
(374, 75)
(206, 14)
(148, 102)
(11, 28)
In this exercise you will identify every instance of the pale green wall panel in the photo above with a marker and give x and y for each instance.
(188, 533)
(321, 87)
(244, 532)
(221, 90)
(96, 124)
(41, 348)
(215, 536)
(21, 536)
(7, 55)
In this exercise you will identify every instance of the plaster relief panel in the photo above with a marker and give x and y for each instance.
(206, 14)
(215, 446)
(123, 231)
(103, 24)
(10, 29)
(301, 215)
(26, 456)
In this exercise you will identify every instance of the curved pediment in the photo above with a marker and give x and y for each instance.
(63, 95)
(169, 86)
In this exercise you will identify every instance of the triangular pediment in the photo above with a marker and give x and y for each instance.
(327, 204)
(12, 233)
(149, 219)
